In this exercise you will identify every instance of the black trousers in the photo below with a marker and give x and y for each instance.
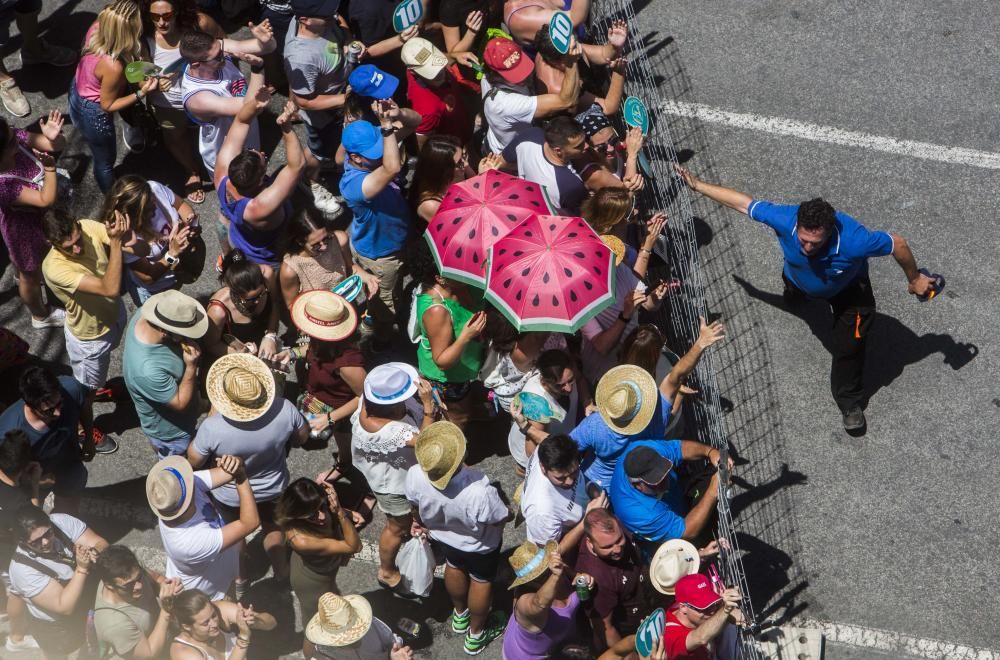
(853, 314)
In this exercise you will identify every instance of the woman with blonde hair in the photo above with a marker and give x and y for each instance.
(99, 88)
(610, 211)
(162, 229)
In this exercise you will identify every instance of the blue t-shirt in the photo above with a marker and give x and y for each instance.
(843, 259)
(602, 446)
(381, 224)
(59, 444)
(652, 520)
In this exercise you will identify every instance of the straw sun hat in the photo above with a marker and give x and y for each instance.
(340, 620)
(529, 561)
(626, 398)
(672, 561)
(170, 487)
(440, 449)
(324, 315)
(240, 387)
(176, 312)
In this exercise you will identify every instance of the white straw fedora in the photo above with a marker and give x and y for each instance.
(176, 312)
(340, 620)
(672, 561)
(240, 387)
(626, 398)
(170, 487)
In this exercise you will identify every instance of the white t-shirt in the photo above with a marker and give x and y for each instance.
(465, 515)
(506, 114)
(595, 364)
(549, 512)
(212, 132)
(194, 548)
(28, 581)
(563, 185)
(515, 439)
(164, 218)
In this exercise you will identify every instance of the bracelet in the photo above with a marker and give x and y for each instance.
(329, 417)
(646, 250)
(387, 132)
(82, 571)
(138, 95)
(49, 169)
(623, 318)
(243, 642)
(271, 335)
(256, 69)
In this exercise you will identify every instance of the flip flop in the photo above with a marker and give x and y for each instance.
(195, 192)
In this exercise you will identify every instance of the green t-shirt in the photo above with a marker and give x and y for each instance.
(152, 373)
(118, 631)
(468, 366)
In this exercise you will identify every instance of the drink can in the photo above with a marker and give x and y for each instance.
(409, 627)
(354, 52)
(582, 589)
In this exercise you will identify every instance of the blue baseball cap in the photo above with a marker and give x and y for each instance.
(361, 137)
(369, 80)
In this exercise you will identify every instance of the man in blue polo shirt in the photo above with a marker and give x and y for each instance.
(381, 224)
(826, 256)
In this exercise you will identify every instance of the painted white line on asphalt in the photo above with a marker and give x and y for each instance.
(818, 133)
(896, 642)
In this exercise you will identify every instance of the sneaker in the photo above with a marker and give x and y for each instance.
(103, 443)
(134, 138)
(27, 643)
(854, 420)
(55, 319)
(496, 623)
(460, 622)
(325, 200)
(49, 54)
(13, 100)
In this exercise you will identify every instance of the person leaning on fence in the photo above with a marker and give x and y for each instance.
(700, 624)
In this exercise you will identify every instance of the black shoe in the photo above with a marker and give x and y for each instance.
(854, 421)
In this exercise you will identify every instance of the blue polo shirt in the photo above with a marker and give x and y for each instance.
(843, 259)
(652, 520)
(381, 225)
(603, 446)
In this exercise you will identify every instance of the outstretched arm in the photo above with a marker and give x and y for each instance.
(725, 196)
(708, 335)
(919, 283)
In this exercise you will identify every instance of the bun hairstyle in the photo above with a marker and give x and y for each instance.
(184, 606)
(239, 273)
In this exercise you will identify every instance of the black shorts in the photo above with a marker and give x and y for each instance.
(481, 567)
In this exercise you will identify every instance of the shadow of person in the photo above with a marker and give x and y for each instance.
(895, 344)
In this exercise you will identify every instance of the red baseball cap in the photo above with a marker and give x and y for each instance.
(506, 58)
(696, 591)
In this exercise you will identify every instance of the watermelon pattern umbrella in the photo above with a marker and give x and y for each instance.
(550, 273)
(473, 215)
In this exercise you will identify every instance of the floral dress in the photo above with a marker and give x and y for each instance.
(21, 226)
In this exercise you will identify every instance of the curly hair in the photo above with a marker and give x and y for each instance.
(816, 214)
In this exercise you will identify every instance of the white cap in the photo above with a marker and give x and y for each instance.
(423, 58)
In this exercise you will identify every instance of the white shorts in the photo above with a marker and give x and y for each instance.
(91, 358)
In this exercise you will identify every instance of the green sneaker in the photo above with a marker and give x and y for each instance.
(460, 622)
(496, 623)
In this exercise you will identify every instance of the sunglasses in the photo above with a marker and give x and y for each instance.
(252, 302)
(128, 587)
(611, 143)
(318, 245)
(48, 409)
(166, 17)
(47, 536)
(708, 611)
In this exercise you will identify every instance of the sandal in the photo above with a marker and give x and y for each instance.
(194, 192)
(333, 474)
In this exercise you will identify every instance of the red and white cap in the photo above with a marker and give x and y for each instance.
(506, 58)
(696, 591)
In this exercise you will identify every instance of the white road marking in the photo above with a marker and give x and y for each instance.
(896, 642)
(818, 133)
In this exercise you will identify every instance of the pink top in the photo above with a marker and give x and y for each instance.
(87, 84)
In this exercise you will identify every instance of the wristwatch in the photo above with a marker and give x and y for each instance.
(171, 259)
(386, 132)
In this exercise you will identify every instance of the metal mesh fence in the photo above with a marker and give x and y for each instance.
(679, 249)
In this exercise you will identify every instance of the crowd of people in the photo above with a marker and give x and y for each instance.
(323, 272)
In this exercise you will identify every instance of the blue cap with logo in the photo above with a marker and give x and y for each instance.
(361, 137)
(369, 80)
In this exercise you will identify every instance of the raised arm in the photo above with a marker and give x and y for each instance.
(110, 285)
(263, 206)
(709, 334)
(395, 42)
(249, 519)
(734, 199)
(569, 93)
(377, 180)
(262, 42)
(62, 599)
(532, 611)
(612, 101)
(256, 100)
(455, 42)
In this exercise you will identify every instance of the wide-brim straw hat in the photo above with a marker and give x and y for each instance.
(672, 561)
(170, 487)
(240, 387)
(324, 315)
(626, 398)
(340, 620)
(176, 312)
(616, 246)
(440, 449)
(529, 561)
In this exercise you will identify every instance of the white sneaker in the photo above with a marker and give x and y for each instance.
(325, 200)
(28, 643)
(13, 99)
(55, 319)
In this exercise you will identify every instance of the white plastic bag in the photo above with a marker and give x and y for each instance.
(416, 564)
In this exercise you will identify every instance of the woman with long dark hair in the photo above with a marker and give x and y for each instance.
(243, 315)
(442, 161)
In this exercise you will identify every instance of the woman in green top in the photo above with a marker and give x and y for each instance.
(450, 318)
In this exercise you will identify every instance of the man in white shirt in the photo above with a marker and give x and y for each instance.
(509, 101)
(202, 550)
(555, 495)
(462, 512)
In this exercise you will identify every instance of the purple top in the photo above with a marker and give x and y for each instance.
(519, 644)
(20, 225)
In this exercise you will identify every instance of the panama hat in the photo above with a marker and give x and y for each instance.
(324, 315)
(170, 487)
(176, 312)
(340, 620)
(240, 387)
(626, 398)
(529, 561)
(392, 382)
(440, 449)
(672, 561)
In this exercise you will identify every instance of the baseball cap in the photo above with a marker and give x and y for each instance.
(369, 80)
(361, 137)
(506, 58)
(423, 58)
(695, 590)
(315, 8)
(646, 465)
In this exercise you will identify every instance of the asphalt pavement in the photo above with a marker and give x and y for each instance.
(893, 531)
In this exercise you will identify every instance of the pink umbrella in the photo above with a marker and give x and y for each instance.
(550, 273)
(473, 215)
